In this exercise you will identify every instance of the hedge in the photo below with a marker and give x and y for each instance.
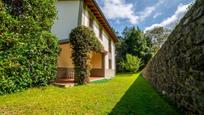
(28, 50)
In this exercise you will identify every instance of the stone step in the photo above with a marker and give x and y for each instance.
(64, 84)
(64, 80)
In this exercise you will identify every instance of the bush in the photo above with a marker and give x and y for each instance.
(131, 63)
(28, 50)
(83, 42)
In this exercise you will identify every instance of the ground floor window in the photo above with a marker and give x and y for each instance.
(110, 64)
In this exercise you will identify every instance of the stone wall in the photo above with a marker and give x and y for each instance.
(177, 70)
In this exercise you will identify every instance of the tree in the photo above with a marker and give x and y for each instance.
(120, 53)
(158, 36)
(135, 43)
(83, 42)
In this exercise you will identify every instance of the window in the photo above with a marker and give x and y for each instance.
(109, 46)
(110, 63)
(90, 21)
(101, 33)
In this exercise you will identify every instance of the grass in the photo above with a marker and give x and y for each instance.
(100, 81)
(126, 94)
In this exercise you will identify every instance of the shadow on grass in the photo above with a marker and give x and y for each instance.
(142, 99)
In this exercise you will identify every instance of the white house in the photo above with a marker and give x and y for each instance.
(73, 13)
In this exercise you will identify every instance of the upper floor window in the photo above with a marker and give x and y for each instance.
(109, 45)
(101, 33)
(110, 64)
(90, 21)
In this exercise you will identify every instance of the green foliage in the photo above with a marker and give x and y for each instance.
(131, 63)
(135, 43)
(83, 42)
(157, 36)
(28, 50)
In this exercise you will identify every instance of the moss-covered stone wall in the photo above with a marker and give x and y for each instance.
(177, 70)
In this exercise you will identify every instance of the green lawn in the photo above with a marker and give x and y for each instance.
(127, 94)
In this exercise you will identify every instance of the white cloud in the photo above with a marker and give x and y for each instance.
(146, 13)
(157, 14)
(119, 9)
(179, 13)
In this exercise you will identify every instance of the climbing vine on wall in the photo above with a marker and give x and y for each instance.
(83, 42)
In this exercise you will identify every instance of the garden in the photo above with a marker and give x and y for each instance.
(124, 94)
(157, 72)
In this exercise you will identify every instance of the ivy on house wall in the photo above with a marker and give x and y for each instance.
(83, 42)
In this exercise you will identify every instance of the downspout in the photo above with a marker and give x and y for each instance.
(81, 7)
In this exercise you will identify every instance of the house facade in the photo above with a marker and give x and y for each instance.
(73, 13)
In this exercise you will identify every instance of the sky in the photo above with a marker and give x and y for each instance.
(146, 14)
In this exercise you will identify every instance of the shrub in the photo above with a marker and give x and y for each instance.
(131, 63)
(28, 50)
(83, 42)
